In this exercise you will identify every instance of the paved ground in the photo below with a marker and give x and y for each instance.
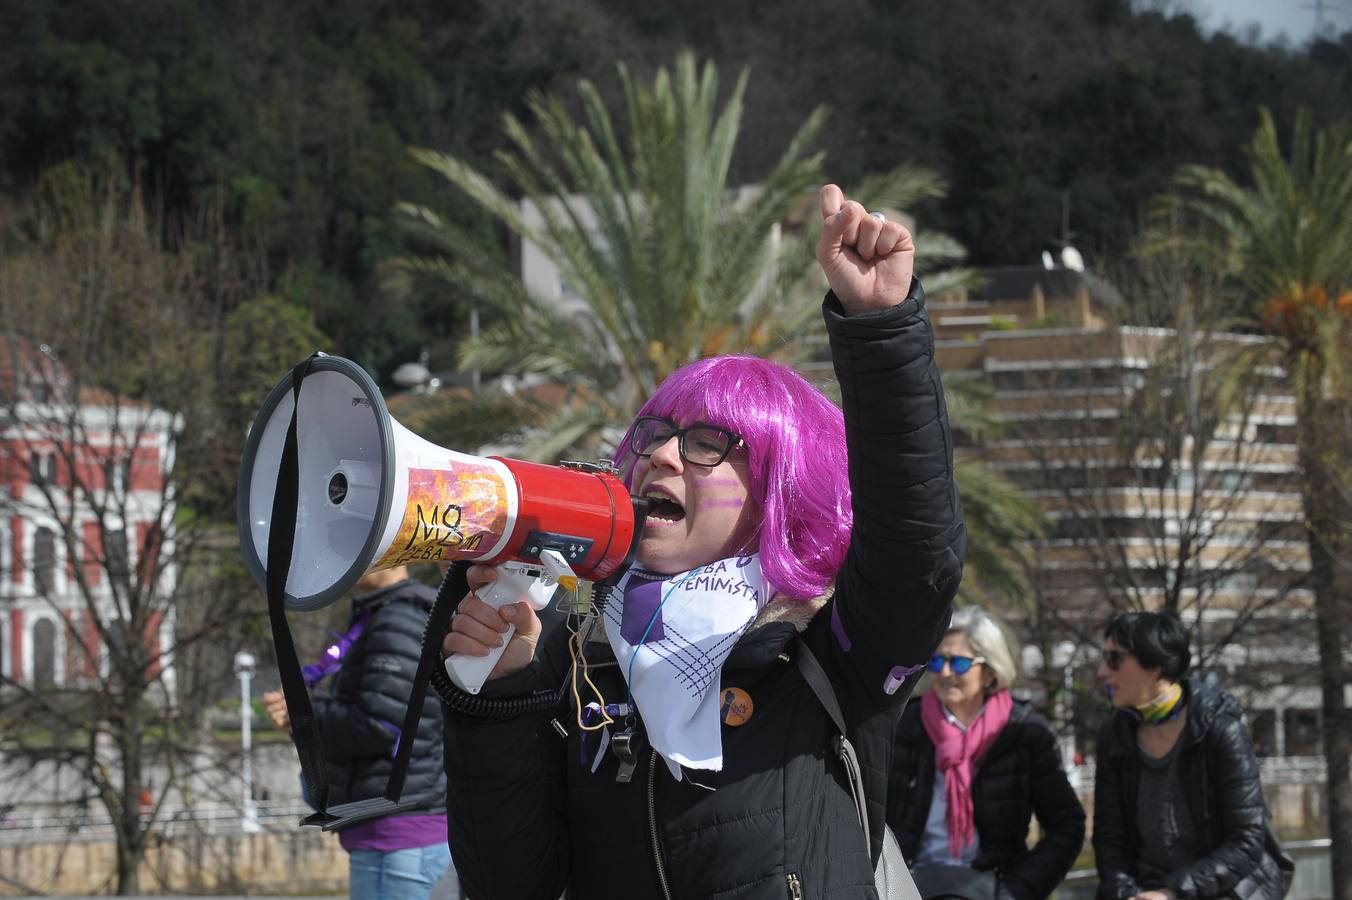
(446, 889)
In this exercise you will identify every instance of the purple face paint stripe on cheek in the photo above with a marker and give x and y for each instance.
(723, 503)
(841, 637)
(897, 677)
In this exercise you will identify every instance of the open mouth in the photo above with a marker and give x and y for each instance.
(663, 509)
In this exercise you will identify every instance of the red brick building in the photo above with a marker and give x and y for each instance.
(83, 504)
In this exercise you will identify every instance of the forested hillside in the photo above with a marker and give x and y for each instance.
(288, 123)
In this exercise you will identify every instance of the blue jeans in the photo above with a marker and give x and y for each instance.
(398, 874)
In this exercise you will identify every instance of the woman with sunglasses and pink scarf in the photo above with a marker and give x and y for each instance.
(1178, 807)
(972, 767)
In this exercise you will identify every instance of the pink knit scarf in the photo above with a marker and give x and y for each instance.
(956, 753)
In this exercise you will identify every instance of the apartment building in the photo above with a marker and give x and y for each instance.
(1151, 494)
(1064, 380)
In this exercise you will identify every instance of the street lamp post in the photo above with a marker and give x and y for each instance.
(244, 668)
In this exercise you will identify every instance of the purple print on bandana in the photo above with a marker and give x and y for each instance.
(642, 598)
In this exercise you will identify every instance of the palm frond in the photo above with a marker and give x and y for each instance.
(669, 261)
(1001, 522)
(970, 409)
(1291, 229)
(574, 430)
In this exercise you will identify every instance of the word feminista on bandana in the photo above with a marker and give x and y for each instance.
(671, 636)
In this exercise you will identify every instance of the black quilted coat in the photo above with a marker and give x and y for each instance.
(1019, 777)
(528, 817)
(1224, 797)
(360, 719)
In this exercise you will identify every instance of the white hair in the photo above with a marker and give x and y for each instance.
(988, 639)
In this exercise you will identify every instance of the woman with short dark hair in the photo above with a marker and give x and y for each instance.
(1157, 640)
(1178, 808)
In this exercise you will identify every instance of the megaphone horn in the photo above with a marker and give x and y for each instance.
(374, 495)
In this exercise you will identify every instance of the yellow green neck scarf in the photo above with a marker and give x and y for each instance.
(1164, 707)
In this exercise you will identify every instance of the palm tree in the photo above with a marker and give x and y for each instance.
(1001, 519)
(669, 263)
(1289, 237)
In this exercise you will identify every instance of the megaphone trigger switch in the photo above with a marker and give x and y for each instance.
(515, 581)
(337, 488)
(558, 570)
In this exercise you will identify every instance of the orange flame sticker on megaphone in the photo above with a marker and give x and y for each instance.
(460, 513)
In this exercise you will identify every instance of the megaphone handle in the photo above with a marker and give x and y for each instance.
(514, 582)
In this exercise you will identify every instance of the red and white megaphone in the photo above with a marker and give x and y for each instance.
(373, 495)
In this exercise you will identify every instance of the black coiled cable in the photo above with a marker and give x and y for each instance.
(453, 588)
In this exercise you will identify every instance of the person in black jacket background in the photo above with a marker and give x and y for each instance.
(1016, 775)
(1178, 807)
(373, 665)
(843, 533)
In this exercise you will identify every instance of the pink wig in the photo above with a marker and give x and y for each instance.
(795, 438)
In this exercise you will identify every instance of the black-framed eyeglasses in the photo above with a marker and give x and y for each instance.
(701, 444)
(1113, 659)
(960, 665)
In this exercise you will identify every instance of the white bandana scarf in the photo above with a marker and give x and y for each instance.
(671, 635)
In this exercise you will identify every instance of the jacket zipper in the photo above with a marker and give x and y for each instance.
(652, 825)
(795, 887)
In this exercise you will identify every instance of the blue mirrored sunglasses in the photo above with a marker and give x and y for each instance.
(960, 665)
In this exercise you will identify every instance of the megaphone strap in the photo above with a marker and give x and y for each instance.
(281, 541)
(305, 727)
(454, 585)
(276, 574)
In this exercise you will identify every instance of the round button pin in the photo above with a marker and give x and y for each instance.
(735, 707)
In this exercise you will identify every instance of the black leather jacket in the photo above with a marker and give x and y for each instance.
(1019, 776)
(1220, 772)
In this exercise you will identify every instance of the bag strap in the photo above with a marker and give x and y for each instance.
(816, 679)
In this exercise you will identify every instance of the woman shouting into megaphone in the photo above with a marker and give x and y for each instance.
(795, 558)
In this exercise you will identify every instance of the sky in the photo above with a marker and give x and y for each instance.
(1295, 18)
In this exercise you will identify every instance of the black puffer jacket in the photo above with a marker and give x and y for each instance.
(1020, 776)
(528, 818)
(360, 719)
(1218, 767)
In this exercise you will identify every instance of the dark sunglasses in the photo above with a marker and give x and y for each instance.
(701, 443)
(1113, 659)
(960, 665)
